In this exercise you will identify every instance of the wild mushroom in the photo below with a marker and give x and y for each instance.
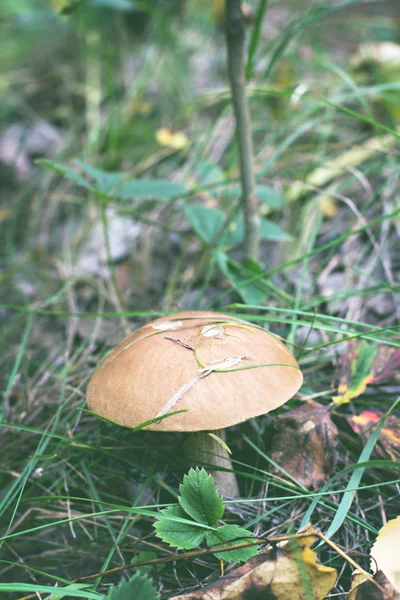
(219, 369)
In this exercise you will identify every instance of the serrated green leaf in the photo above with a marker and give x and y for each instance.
(139, 587)
(230, 535)
(176, 533)
(199, 497)
(144, 556)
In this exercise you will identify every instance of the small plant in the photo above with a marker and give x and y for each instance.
(196, 519)
(139, 587)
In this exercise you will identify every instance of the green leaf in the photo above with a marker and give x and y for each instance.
(268, 231)
(206, 222)
(272, 231)
(178, 533)
(139, 587)
(265, 194)
(160, 189)
(143, 557)
(252, 293)
(121, 5)
(66, 172)
(273, 199)
(230, 535)
(117, 185)
(199, 497)
(120, 185)
(208, 172)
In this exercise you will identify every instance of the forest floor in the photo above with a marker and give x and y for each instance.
(88, 257)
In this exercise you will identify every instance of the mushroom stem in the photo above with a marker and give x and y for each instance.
(202, 448)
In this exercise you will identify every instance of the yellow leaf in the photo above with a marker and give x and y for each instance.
(176, 140)
(346, 394)
(328, 206)
(283, 574)
(379, 589)
(357, 579)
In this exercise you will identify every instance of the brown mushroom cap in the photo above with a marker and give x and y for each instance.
(141, 376)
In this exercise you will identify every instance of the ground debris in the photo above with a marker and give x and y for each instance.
(388, 444)
(364, 364)
(290, 571)
(362, 589)
(304, 443)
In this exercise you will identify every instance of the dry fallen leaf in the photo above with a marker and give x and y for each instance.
(304, 442)
(388, 445)
(362, 589)
(385, 561)
(364, 364)
(337, 167)
(280, 574)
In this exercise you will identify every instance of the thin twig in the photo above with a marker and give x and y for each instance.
(182, 556)
(207, 551)
(235, 39)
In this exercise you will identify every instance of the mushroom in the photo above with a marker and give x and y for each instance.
(216, 369)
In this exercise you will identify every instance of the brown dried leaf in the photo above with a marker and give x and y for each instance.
(364, 364)
(388, 446)
(281, 574)
(362, 589)
(387, 364)
(304, 442)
